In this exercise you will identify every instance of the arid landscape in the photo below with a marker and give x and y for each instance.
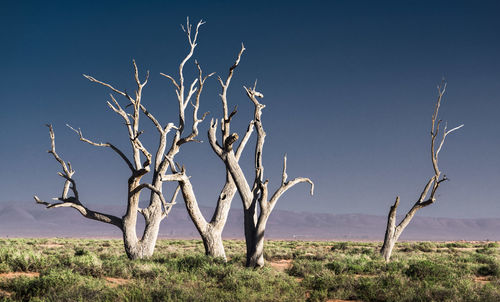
(98, 270)
(250, 151)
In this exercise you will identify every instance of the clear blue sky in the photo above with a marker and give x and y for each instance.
(350, 88)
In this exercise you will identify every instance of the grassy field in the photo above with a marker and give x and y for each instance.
(98, 270)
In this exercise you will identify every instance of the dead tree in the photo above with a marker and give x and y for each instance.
(257, 205)
(139, 166)
(428, 195)
(164, 159)
(211, 231)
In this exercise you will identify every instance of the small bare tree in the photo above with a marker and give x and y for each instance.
(257, 205)
(428, 195)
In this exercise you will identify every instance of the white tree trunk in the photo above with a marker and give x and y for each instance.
(214, 247)
(143, 248)
(210, 232)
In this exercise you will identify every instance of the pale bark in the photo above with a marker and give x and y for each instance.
(158, 207)
(257, 206)
(210, 231)
(158, 163)
(140, 165)
(393, 231)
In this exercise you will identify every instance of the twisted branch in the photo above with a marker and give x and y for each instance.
(70, 184)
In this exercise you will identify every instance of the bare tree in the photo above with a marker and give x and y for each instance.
(158, 208)
(257, 205)
(211, 232)
(428, 195)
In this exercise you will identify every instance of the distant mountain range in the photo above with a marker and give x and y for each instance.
(26, 219)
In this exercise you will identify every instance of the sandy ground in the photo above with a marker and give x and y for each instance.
(115, 282)
(281, 265)
(18, 274)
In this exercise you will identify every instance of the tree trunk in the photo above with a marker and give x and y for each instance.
(255, 243)
(256, 259)
(211, 233)
(212, 241)
(386, 250)
(390, 232)
(250, 221)
(143, 248)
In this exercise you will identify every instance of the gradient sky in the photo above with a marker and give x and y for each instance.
(349, 87)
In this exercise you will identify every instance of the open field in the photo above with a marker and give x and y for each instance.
(98, 270)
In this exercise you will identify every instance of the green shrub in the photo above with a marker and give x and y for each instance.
(327, 285)
(425, 246)
(181, 272)
(194, 262)
(491, 269)
(486, 250)
(87, 263)
(79, 251)
(4, 267)
(339, 246)
(386, 287)
(493, 245)
(428, 270)
(23, 261)
(303, 267)
(58, 285)
(456, 245)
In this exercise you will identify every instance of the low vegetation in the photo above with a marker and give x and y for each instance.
(98, 270)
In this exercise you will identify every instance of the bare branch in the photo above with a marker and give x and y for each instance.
(109, 145)
(213, 139)
(92, 79)
(284, 176)
(171, 79)
(225, 126)
(73, 201)
(239, 178)
(152, 118)
(172, 177)
(84, 211)
(289, 184)
(167, 207)
(426, 189)
(68, 172)
(261, 134)
(445, 133)
(196, 106)
(230, 140)
(244, 141)
(236, 63)
(136, 76)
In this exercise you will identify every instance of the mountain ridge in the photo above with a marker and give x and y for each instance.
(22, 219)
